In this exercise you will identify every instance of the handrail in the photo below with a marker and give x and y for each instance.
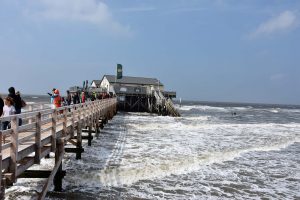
(33, 130)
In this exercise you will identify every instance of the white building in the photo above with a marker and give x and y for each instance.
(128, 83)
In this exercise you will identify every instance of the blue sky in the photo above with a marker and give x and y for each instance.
(211, 50)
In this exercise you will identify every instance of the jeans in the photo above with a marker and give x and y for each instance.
(5, 125)
(18, 111)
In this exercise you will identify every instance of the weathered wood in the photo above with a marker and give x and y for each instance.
(87, 131)
(87, 137)
(90, 136)
(26, 138)
(57, 170)
(58, 166)
(79, 140)
(14, 148)
(74, 150)
(38, 174)
(65, 118)
(53, 139)
(41, 136)
(37, 157)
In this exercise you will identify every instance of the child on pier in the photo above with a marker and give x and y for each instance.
(8, 110)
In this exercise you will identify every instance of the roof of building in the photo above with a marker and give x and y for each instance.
(97, 82)
(133, 80)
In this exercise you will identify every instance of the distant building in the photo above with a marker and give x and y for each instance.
(96, 83)
(128, 84)
(137, 94)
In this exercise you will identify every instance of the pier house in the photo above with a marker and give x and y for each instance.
(139, 94)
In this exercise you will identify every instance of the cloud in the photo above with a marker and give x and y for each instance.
(138, 9)
(88, 11)
(277, 77)
(285, 21)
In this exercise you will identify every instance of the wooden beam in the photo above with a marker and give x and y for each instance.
(79, 140)
(38, 174)
(14, 148)
(90, 138)
(74, 150)
(58, 165)
(53, 138)
(37, 157)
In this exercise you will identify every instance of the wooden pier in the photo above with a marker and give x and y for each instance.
(46, 131)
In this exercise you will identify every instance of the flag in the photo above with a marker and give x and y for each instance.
(119, 71)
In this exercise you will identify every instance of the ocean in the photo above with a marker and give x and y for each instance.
(213, 151)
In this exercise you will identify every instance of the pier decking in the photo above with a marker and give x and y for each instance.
(46, 131)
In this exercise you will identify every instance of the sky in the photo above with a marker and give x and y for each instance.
(208, 50)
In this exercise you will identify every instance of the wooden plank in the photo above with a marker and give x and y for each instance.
(25, 164)
(27, 127)
(47, 121)
(47, 129)
(37, 174)
(7, 132)
(74, 150)
(29, 149)
(26, 138)
(6, 146)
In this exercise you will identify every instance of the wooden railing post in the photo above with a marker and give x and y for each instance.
(79, 134)
(38, 147)
(59, 175)
(73, 122)
(65, 121)
(53, 134)
(30, 109)
(13, 166)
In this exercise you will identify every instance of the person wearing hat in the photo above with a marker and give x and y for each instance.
(57, 99)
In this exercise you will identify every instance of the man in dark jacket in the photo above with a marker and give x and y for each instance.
(1, 106)
(69, 98)
(17, 101)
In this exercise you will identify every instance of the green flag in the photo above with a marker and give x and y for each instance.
(119, 71)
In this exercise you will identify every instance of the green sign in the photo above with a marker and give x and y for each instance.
(119, 71)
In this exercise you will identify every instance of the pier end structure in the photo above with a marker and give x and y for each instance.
(140, 94)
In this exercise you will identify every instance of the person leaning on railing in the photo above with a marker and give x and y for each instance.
(1, 106)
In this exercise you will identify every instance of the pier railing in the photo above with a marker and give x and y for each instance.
(42, 131)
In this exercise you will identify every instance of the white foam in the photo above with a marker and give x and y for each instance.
(126, 175)
(201, 107)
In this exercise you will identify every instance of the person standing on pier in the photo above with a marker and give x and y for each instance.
(76, 98)
(57, 99)
(8, 110)
(82, 97)
(1, 106)
(69, 98)
(17, 102)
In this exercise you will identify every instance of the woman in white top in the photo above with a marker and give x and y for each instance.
(8, 110)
